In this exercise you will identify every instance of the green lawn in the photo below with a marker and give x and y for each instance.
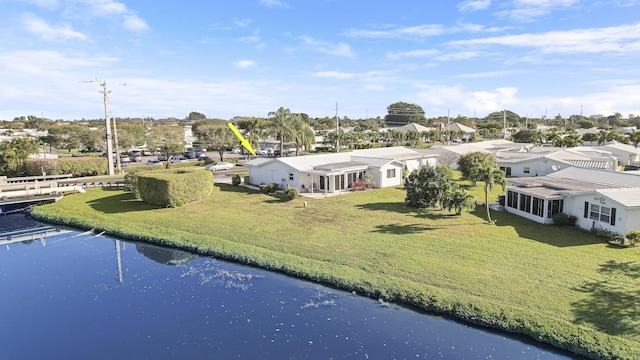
(560, 285)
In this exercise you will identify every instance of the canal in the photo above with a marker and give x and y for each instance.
(76, 295)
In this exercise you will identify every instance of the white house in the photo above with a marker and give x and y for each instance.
(330, 173)
(602, 199)
(540, 161)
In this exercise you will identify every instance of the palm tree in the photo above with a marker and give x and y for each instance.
(280, 125)
(491, 176)
(303, 134)
(461, 199)
(634, 137)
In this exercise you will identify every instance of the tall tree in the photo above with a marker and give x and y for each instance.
(168, 139)
(281, 126)
(13, 155)
(482, 167)
(427, 187)
(217, 138)
(634, 137)
(404, 113)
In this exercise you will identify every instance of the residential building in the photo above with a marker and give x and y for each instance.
(602, 199)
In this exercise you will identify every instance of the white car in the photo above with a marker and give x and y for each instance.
(178, 159)
(219, 166)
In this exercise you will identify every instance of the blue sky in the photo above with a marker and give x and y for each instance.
(248, 57)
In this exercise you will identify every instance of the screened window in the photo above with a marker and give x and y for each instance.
(525, 203)
(527, 170)
(538, 207)
(512, 199)
(554, 207)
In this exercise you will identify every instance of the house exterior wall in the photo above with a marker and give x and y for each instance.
(389, 175)
(273, 172)
(625, 219)
(536, 167)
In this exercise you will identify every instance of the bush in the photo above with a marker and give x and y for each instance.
(174, 187)
(291, 193)
(247, 180)
(633, 237)
(235, 180)
(273, 187)
(560, 219)
(264, 188)
(572, 219)
(78, 167)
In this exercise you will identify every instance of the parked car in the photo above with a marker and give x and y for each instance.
(190, 154)
(77, 154)
(124, 158)
(154, 162)
(162, 157)
(220, 166)
(200, 152)
(146, 153)
(237, 151)
(135, 155)
(267, 151)
(178, 159)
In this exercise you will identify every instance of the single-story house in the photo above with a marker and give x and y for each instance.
(603, 199)
(414, 127)
(330, 173)
(626, 154)
(541, 161)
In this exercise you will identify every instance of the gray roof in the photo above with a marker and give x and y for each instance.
(605, 178)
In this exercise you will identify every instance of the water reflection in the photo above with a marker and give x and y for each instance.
(201, 308)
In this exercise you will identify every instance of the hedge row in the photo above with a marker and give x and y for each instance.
(90, 166)
(173, 187)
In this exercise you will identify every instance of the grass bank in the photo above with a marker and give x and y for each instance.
(558, 285)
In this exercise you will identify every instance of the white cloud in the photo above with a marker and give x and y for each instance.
(335, 75)
(242, 23)
(134, 23)
(474, 5)
(48, 32)
(339, 49)
(244, 63)
(420, 31)
(105, 8)
(414, 53)
(274, 3)
(529, 10)
(622, 39)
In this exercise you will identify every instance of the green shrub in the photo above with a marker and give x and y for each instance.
(264, 188)
(78, 167)
(560, 219)
(131, 180)
(572, 219)
(273, 187)
(291, 193)
(247, 180)
(633, 237)
(235, 180)
(174, 187)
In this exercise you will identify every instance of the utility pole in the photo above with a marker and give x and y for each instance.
(337, 130)
(115, 138)
(106, 92)
(504, 119)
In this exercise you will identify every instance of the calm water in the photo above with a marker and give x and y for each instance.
(85, 297)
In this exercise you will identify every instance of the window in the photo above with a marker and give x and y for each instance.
(507, 170)
(525, 203)
(291, 176)
(554, 207)
(512, 199)
(391, 173)
(538, 207)
(527, 170)
(602, 213)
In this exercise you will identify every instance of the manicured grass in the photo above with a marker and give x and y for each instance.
(559, 285)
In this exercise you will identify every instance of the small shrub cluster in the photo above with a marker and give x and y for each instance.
(235, 180)
(247, 180)
(633, 237)
(269, 188)
(291, 193)
(560, 219)
(609, 236)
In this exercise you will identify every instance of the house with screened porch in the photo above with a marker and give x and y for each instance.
(607, 200)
